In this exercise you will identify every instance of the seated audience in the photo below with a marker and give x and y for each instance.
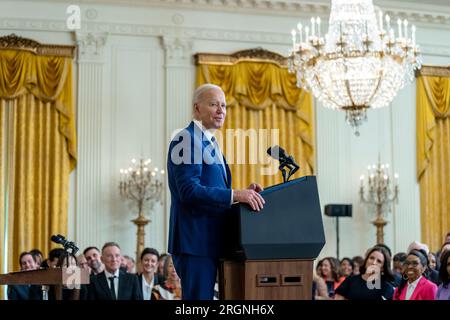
(329, 273)
(25, 292)
(319, 288)
(346, 267)
(439, 253)
(398, 259)
(148, 278)
(160, 270)
(130, 264)
(357, 262)
(38, 256)
(112, 283)
(93, 258)
(172, 283)
(414, 285)
(374, 280)
(443, 292)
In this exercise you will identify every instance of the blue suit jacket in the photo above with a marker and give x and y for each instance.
(200, 196)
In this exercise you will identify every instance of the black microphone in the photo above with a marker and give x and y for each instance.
(278, 153)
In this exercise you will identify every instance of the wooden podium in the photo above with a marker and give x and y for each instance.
(270, 253)
(58, 277)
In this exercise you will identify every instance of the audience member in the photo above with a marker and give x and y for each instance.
(38, 256)
(25, 292)
(172, 283)
(130, 264)
(414, 285)
(374, 280)
(443, 292)
(93, 258)
(398, 260)
(112, 283)
(346, 267)
(357, 263)
(328, 271)
(148, 278)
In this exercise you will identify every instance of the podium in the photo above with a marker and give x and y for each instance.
(270, 253)
(46, 277)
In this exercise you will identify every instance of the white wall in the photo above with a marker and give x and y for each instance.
(135, 77)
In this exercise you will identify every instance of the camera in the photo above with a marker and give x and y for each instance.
(65, 243)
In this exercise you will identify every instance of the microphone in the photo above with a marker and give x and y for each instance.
(278, 153)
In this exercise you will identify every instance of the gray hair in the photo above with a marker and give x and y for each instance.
(198, 93)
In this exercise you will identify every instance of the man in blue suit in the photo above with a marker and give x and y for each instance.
(201, 194)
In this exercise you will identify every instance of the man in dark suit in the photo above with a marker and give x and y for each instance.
(25, 292)
(201, 194)
(113, 284)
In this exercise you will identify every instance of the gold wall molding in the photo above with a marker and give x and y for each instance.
(14, 42)
(252, 55)
(434, 71)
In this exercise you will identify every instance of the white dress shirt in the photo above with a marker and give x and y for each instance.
(208, 134)
(116, 281)
(147, 289)
(411, 287)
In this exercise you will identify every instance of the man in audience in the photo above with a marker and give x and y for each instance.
(130, 264)
(38, 256)
(92, 255)
(25, 292)
(113, 284)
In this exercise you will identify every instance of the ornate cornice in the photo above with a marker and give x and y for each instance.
(425, 12)
(90, 46)
(434, 71)
(258, 38)
(254, 55)
(14, 42)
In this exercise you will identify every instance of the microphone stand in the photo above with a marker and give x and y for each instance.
(292, 169)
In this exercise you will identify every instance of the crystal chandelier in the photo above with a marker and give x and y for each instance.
(360, 63)
(380, 193)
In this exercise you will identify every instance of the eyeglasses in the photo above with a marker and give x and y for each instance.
(413, 263)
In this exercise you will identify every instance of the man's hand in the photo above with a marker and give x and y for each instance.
(250, 196)
(256, 187)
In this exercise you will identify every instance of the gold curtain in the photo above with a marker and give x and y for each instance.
(36, 105)
(433, 153)
(261, 94)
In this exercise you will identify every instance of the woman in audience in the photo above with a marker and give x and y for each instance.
(432, 261)
(328, 272)
(160, 270)
(415, 285)
(374, 280)
(357, 262)
(319, 288)
(148, 279)
(172, 283)
(443, 292)
(346, 267)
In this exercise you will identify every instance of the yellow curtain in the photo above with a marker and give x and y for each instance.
(40, 145)
(433, 156)
(262, 95)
